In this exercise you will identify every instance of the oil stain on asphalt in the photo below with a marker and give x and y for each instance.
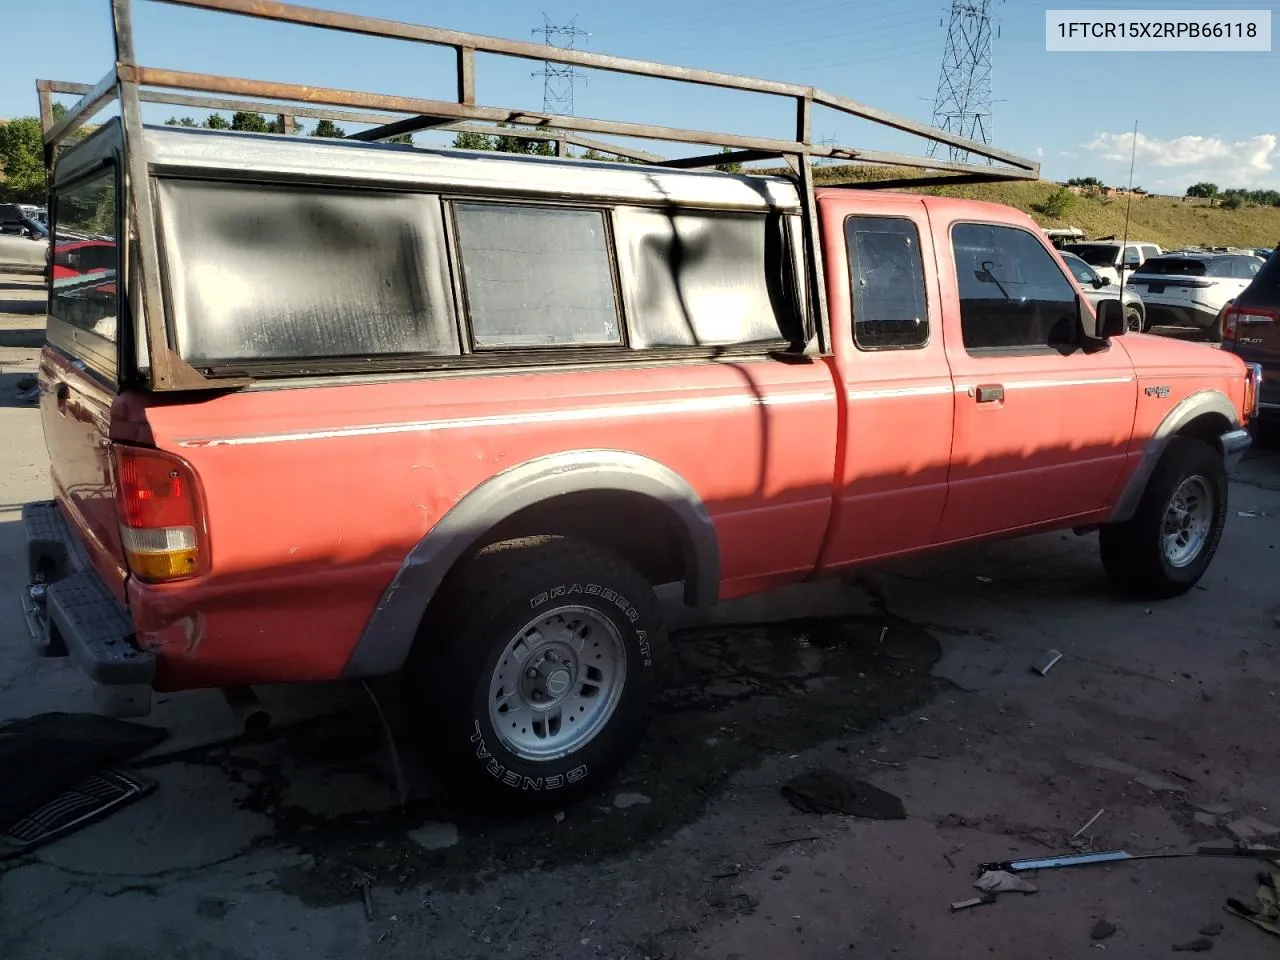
(731, 696)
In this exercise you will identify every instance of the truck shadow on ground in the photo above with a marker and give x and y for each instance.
(731, 696)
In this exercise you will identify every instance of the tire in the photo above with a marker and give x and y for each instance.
(1150, 560)
(518, 738)
(1134, 320)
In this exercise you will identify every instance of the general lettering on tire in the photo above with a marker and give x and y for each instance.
(510, 778)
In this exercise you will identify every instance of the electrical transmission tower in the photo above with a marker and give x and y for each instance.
(963, 102)
(558, 78)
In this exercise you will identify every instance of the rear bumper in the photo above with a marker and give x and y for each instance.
(1179, 315)
(71, 613)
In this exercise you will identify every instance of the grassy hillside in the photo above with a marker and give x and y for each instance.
(1161, 220)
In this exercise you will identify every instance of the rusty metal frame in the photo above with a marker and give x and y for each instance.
(392, 115)
(46, 88)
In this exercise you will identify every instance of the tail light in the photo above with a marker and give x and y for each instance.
(161, 516)
(1236, 317)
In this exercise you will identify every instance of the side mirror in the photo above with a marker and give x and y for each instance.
(1099, 282)
(1110, 318)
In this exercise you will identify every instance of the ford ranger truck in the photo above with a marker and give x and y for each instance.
(466, 411)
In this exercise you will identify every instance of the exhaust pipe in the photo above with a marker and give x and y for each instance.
(248, 709)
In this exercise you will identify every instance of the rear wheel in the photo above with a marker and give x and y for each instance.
(534, 679)
(1133, 320)
(1172, 537)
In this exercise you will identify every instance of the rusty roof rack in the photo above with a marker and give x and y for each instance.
(132, 84)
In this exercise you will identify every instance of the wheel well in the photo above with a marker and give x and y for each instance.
(639, 529)
(1208, 427)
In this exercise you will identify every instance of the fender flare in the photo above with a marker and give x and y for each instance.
(1184, 411)
(388, 636)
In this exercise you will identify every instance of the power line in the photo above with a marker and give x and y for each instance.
(963, 101)
(558, 78)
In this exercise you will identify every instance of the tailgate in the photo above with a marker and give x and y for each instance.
(75, 410)
(78, 367)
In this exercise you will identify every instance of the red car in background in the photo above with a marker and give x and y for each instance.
(75, 258)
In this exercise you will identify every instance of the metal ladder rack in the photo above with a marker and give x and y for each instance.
(392, 115)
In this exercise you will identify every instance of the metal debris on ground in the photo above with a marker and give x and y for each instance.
(825, 791)
(1111, 856)
(1194, 946)
(1264, 912)
(93, 798)
(1092, 820)
(1102, 929)
(1047, 663)
(1001, 881)
(972, 902)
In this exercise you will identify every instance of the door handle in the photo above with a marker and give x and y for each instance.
(990, 393)
(61, 395)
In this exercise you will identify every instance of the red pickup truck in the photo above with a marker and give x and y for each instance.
(462, 412)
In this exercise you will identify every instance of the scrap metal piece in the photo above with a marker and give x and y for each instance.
(1050, 660)
(1049, 863)
(90, 800)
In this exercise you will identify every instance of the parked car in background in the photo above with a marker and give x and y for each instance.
(33, 212)
(1251, 330)
(1112, 259)
(11, 218)
(1192, 289)
(1098, 288)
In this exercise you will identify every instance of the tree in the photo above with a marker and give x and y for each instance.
(1204, 190)
(1057, 204)
(473, 141)
(403, 138)
(1086, 182)
(216, 121)
(530, 146)
(249, 122)
(180, 122)
(22, 160)
(327, 128)
(1232, 200)
(734, 167)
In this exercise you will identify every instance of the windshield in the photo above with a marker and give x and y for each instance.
(1095, 254)
(1079, 269)
(1174, 267)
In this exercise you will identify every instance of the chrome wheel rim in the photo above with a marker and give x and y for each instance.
(1133, 320)
(557, 683)
(1187, 520)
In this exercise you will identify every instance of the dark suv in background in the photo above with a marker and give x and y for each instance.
(1251, 330)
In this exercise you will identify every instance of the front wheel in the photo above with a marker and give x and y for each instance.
(534, 678)
(1134, 321)
(1172, 537)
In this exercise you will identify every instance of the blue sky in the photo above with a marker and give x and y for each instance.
(1200, 116)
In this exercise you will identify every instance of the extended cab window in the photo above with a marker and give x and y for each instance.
(536, 276)
(84, 255)
(1014, 297)
(706, 279)
(267, 273)
(889, 306)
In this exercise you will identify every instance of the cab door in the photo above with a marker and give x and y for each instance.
(1041, 426)
(892, 378)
